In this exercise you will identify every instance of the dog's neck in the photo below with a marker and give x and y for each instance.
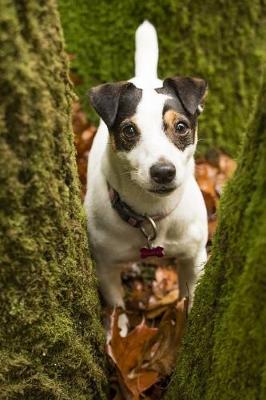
(140, 200)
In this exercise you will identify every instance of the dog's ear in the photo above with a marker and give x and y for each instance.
(190, 91)
(105, 99)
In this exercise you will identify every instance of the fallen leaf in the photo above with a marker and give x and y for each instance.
(212, 225)
(71, 56)
(75, 78)
(82, 170)
(205, 175)
(161, 352)
(165, 280)
(138, 295)
(169, 298)
(126, 354)
(227, 165)
(211, 175)
(151, 314)
(79, 120)
(85, 139)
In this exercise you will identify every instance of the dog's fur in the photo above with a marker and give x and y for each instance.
(154, 107)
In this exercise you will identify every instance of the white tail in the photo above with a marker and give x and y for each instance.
(146, 54)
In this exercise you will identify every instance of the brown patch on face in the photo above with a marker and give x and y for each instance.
(125, 135)
(181, 138)
(170, 117)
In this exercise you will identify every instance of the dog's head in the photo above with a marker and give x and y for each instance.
(153, 131)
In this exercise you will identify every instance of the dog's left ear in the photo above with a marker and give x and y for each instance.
(105, 99)
(190, 91)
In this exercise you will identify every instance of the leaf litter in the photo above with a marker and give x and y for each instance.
(144, 360)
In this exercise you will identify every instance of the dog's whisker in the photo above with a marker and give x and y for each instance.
(203, 140)
(136, 173)
(125, 173)
(129, 172)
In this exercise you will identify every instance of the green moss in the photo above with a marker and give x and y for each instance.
(221, 41)
(224, 350)
(51, 339)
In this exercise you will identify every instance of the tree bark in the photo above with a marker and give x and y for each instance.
(51, 338)
(224, 350)
(221, 41)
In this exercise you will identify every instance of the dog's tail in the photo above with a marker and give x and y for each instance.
(146, 55)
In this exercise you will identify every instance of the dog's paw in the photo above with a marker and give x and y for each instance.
(123, 324)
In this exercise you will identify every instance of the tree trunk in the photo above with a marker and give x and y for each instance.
(51, 339)
(224, 350)
(221, 41)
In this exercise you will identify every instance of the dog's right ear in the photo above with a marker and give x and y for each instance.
(190, 91)
(105, 99)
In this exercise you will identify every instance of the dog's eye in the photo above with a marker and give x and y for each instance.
(181, 128)
(129, 131)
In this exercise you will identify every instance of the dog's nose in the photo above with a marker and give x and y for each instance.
(162, 172)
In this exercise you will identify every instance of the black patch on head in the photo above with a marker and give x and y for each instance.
(115, 103)
(172, 103)
(186, 95)
(190, 91)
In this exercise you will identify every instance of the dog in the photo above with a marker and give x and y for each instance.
(142, 198)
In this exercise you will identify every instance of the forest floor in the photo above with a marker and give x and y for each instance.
(144, 360)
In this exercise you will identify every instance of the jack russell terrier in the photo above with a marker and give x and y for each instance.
(142, 198)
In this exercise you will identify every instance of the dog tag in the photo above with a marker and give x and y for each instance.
(151, 252)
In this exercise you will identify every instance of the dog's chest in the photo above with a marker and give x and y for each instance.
(125, 242)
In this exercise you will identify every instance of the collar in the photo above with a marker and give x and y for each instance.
(128, 214)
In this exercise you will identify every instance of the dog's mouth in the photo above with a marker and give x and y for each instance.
(162, 190)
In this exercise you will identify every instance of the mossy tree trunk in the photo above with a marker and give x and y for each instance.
(224, 350)
(51, 339)
(221, 41)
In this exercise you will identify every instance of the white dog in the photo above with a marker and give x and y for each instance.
(142, 196)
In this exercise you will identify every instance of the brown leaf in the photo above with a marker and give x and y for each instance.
(71, 56)
(79, 120)
(211, 176)
(221, 179)
(87, 137)
(211, 203)
(227, 165)
(82, 169)
(169, 298)
(212, 225)
(84, 141)
(165, 280)
(205, 175)
(141, 381)
(126, 353)
(75, 78)
(138, 295)
(152, 314)
(161, 352)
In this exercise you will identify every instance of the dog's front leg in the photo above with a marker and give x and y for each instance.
(109, 277)
(189, 271)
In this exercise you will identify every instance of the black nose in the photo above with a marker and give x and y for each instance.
(162, 172)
